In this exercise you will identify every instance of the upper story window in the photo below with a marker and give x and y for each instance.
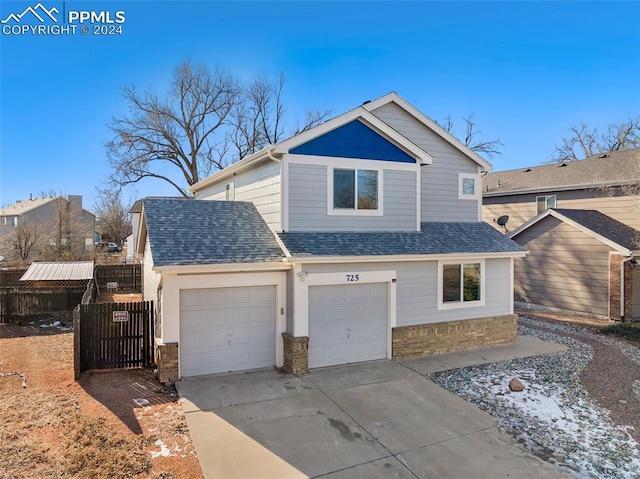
(468, 188)
(355, 190)
(15, 221)
(4, 220)
(545, 202)
(461, 284)
(230, 191)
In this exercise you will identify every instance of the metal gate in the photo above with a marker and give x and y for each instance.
(115, 335)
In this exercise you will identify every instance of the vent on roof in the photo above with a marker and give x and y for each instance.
(366, 101)
(604, 156)
(527, 170)
(562, 165)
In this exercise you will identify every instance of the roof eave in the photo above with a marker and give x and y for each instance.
(547, 189)
(224, 267)
(404, 257)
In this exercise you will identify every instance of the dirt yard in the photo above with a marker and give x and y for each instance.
(120, 424)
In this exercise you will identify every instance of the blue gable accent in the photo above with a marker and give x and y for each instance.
(353, 140)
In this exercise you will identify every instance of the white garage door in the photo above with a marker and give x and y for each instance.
(227, 329)
(347, 323)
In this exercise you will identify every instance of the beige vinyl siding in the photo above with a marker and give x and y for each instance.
(565, 269)
(521, 208)
(308, 202)
(635, 298)
(260, 185)
(417, 289)
(439, 181)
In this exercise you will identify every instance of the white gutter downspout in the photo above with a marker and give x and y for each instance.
(282, 186)
(622, 262)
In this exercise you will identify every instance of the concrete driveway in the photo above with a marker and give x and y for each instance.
(380, 419)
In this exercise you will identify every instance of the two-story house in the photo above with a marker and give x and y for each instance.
(55, 222)
(357, 240)
(580, 222)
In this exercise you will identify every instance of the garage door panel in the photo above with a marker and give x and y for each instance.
(347, 323)
(227, 329)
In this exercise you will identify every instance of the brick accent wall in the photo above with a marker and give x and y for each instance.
(420, 340)
(167, 362)
(296, 354)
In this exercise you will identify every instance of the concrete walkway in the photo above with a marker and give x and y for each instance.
(381, 419)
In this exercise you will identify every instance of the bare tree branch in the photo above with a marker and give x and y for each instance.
(472, 136)
(582, 142)
(112, 215)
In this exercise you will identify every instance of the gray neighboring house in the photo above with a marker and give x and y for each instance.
(47, 214)
(608, 183)
(360, 239)
(579, 261)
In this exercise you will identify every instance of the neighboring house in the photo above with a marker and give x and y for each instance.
(132, 239)
(357, 240)
(60, 223)
(608, 183)
(581, 261)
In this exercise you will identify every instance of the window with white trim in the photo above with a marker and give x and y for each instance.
(15, 221)
(461, 284)
(543, 203)
(355, 189)
(468, 186)
(230, 191)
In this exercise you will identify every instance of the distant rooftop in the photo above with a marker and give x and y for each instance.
(613, 168)
(23, 206)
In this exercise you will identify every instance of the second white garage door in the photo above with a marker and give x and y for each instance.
(227, 329)
(347, 323)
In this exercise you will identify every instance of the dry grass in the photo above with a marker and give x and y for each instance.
(57, 428)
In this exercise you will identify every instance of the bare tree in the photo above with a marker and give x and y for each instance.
(206, 121)
(26, 241)
(112, 215)
(583, 142)
(472, 137)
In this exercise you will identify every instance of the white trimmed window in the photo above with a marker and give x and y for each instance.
(460, 284)
(15, 221)
(355, 191)
(543, 203)
(230, 191)
(468, 186)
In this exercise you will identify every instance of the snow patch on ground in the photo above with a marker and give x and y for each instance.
(164, 450)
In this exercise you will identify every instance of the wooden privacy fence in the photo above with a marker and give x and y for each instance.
(127, 276)
(11, 277)
(114, 335)
(17, 304)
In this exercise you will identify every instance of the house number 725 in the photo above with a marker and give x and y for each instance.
(352, 278)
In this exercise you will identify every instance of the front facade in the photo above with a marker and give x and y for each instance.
(381, 252)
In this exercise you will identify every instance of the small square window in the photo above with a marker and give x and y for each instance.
(467, 186)
(230, 191)
(545, 202)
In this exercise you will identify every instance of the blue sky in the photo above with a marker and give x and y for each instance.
(527, 71)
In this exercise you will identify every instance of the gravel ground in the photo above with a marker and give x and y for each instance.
(580, 409)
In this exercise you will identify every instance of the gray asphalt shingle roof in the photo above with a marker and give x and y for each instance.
(604, 225)
(435, 238)
(616, 167)
(195, 232)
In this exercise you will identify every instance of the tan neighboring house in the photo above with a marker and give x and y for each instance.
(579, 261)
(602, 182)
(61, 223)
(580, 223)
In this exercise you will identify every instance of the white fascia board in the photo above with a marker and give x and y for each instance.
(230, 170)
(368, 119)
(224, 268)
(429, 123)
(404, 257)
(612, 244)
(142, 231)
